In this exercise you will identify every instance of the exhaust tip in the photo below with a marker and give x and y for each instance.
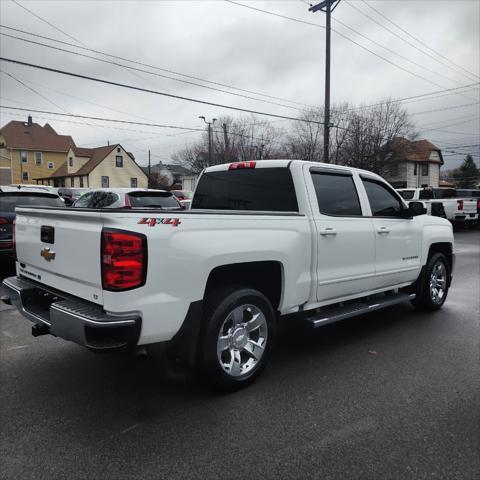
(6, 299)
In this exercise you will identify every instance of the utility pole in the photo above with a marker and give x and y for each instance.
(209, 137)
(227, 145)
(327, 6)
(149, 165)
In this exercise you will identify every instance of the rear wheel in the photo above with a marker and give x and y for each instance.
(431, 295)
(237, 338)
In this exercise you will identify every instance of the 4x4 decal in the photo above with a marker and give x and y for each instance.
(151, 222)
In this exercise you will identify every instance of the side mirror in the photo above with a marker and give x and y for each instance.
(416, 208)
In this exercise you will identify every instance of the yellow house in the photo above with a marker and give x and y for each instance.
(29, 151)
(102, 167)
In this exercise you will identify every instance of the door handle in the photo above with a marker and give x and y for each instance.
(328, 231)
(383, 230)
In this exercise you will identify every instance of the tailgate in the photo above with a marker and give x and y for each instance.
(60, 248)
(470, 205)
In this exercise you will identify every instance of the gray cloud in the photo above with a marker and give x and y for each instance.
(233, 45)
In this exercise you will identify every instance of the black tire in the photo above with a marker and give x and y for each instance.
(216, 320)
(426, 298)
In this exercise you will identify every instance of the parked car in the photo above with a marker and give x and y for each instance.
(468, 193)
(184, 197)
(128, 198)
(444, 202)
(71, 195)
(317, 242)
(10, 198)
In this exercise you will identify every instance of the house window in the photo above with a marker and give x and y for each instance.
(394, 170)
(81, 182)
(133, 182)
(118, 150)
(105, 182)
(425, 170)
(119, 161)
(72, 181)
(51, 165)
(24, 156)
(70, 161)
(38, 158)
(25, 176)
(415, 169)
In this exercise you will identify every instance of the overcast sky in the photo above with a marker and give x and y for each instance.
(229, 44)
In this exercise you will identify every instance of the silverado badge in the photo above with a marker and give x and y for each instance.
(47, 254)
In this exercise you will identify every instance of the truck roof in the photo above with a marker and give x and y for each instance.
(285, 163)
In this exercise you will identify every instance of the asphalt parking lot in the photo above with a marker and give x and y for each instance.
(391, 395)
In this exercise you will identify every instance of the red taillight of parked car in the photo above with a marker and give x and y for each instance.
(124, 260)
(459, 204)
(478, 205)
(4, 221)
(238, 165)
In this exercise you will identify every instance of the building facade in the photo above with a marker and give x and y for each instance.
(110, 166)
(29, 151)
(411, 164)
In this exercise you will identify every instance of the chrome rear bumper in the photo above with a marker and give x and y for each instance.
(69, 318)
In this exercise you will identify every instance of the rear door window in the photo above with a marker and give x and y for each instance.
(407, 194)
(251, 189)
(336, 195)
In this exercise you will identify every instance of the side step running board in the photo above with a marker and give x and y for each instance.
(336, 313)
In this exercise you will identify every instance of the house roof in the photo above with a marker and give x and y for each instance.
(96, 155)
(35, 137)
(414, 151)
(173, 168)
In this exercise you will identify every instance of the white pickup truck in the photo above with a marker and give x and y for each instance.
(444, 202)
(262, 239)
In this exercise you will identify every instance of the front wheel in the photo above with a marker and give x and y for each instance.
(237, 337)
(431, 295)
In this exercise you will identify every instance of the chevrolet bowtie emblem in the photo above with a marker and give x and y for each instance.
(47, 254)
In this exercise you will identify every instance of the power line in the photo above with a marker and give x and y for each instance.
(418, 40)
(48, 23)
(155, 92)
(341, 35)
(153, 66)
(406, 41)
(446, 108)
(146, 71)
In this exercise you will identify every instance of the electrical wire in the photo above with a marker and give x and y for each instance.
(155, 92)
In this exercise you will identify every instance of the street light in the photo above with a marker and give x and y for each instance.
(209, 137)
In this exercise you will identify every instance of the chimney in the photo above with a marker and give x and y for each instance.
(30, 120)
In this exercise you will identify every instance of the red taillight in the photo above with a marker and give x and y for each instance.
(478, 205)
(238, 165)
(4, 221)
(459, 204)
(124, 260)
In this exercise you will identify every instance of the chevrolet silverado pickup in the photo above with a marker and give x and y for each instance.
(457, 210)
(263, 239)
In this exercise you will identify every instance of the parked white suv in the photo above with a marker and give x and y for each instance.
(262, 239)
(127, 198)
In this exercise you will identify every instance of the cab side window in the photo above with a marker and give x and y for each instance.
(383, 202)
(336, 194)
(84, 200)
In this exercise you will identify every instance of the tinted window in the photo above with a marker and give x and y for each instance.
(468, 193)
(336, 194)
(259, 189)
(84, 200)
(8, 201)
(103, 199)
(444, 192)
(153, 200)
(407, 194)
(383, 202)
(426, 194)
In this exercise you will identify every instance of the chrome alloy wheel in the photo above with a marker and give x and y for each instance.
(242, 340)
(438, 282)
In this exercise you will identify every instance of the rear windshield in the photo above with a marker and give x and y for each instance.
(153, 200)
(8, 201)
(468, 193)
(262, 189)
(445, 192)
(407, 194)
